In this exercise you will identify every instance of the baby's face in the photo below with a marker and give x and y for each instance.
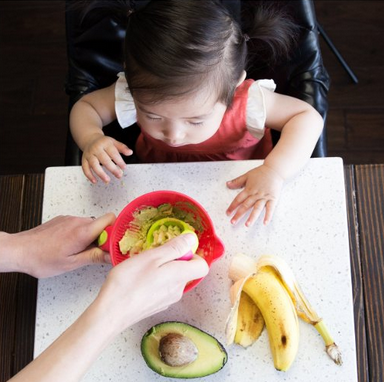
(189, 120)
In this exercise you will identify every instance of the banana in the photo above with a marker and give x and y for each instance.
(250, 322)
(243, 266)
(275, 304)
(301, 303)
(245, 322)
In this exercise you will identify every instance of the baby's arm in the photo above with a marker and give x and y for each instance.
(300, 125)
(87, 118)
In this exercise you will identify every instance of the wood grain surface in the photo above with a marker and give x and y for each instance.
(20, 209)
(357, 276)
(370, 209)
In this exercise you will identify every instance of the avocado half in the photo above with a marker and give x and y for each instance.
(211, 355)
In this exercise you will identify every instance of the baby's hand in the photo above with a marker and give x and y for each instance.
(262, 187)
(104, 151)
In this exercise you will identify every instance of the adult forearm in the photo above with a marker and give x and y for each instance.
(295, 146)
(9, 253)
(70, 356)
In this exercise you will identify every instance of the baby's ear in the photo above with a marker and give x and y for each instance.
(242, 78)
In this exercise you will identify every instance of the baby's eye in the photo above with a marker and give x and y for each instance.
(196, 123)
(153, 118)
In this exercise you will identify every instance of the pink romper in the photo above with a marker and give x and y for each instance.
(233, 140)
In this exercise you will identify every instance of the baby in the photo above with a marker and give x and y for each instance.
(185, 85)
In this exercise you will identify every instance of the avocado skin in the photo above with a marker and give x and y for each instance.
(212, 354)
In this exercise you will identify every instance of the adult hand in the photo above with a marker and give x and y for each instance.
(262, 188)
(57, 246)
(148, 283)
(136, 288)
(104, 151)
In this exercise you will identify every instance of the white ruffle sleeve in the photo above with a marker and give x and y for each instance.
(124, 105)
(256, 113)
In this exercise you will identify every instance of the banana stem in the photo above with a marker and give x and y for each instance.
(324, 332)
(331, 348)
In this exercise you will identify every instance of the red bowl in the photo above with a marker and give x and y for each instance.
(210, 245)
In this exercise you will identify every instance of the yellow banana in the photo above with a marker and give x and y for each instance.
(242, 266)
(250, 322)
(275, 304)
(301, 303)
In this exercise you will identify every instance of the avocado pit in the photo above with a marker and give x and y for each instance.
(177, 350)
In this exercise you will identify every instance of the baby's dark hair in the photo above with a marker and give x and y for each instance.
(175, 47)
(272, 29)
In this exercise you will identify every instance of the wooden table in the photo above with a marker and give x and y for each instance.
(20, 208)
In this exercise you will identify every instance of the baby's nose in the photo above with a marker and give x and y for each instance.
(173, 132)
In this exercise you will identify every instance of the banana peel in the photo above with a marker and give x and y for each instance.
(232, 320)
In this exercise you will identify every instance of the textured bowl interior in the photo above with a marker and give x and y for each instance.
(210, 246)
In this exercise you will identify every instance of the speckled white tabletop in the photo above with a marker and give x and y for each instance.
(309, 230)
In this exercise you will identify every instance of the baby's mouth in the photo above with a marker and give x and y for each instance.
(174, 144)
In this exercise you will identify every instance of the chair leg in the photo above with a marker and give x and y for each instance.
(337, 54)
